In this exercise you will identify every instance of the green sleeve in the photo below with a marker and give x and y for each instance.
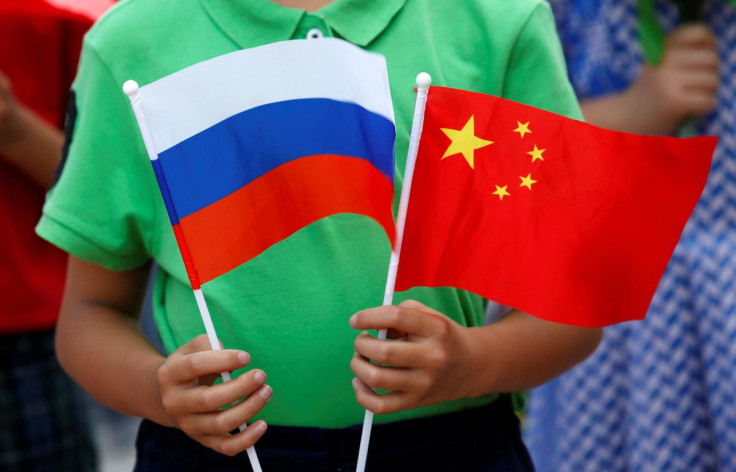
(101, 209)
(536, 73)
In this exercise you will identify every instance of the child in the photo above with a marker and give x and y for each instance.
(43, 421)
(665, 386)
(295, 308)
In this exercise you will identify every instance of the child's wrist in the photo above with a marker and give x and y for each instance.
(481, 373)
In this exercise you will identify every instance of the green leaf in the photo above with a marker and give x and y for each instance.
(651, 33)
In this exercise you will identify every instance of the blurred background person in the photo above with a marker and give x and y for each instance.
(658, 395)
(43, 425)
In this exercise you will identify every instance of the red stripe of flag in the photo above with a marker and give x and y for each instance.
(187, 257)
(240, 226)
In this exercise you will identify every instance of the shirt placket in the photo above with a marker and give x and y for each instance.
(312, 27)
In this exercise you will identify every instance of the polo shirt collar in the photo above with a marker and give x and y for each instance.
(360, 21)
(357, 21)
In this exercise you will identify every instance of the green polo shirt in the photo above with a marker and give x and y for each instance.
(288, 307)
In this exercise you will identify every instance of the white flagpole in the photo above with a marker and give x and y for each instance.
(130, 88)
(423, 82)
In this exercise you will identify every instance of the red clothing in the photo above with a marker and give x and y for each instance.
(39, 55)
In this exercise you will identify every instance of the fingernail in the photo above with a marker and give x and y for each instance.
(243, 357)
(354, 320)
(356, 382)
(259, 427)
(265, 392)
(260, 377)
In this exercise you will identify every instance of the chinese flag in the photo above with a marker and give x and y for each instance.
(561, 219)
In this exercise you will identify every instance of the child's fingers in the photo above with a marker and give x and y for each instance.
(225, 421)
(400, 318)
(197, 344)
(389, 378)
(397, 353)
(209, 380)
(203, 399)
(698, 101)
(692, 35)
(379, 404)
(415, 305)
(700, 59)
(181, 369)
(697, 80)
(232, 445)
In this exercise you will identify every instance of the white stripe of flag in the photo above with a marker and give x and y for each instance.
(192, 100)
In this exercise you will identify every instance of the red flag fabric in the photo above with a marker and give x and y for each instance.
(564, 220)
(85, 11)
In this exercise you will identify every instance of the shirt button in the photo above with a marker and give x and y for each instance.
(315, 33)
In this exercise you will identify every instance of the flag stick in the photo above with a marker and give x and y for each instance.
(423, 82)
(130, 88)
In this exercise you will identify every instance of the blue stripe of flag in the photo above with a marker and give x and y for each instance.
(165, 193)
(220, 160)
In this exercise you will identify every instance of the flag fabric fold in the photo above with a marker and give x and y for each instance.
(564, 220)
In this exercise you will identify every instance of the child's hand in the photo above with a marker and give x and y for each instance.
(684, 84)
(428, 365)
(188, 396)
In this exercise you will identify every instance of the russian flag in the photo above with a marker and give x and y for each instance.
(254, 145)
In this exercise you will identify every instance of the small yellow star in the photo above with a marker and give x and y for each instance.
(464, 142)
(501, 192)
(527, 181)
(523, 129)
(536, 153)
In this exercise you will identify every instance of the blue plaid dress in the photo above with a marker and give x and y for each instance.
(658, 395)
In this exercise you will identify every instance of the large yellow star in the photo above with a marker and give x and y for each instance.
(527, 181)
(536, 153)
(464, 142)
(501, 192)
(523, 129)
